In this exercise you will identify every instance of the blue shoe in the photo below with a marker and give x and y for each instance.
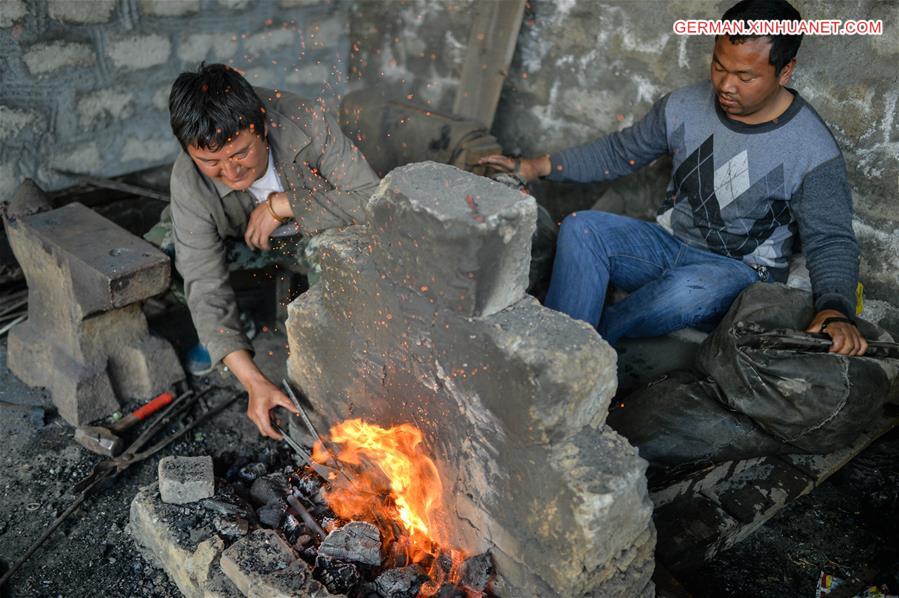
(199, 362)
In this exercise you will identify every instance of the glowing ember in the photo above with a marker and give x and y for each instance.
(392, 482)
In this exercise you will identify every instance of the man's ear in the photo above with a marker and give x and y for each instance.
(786, 73)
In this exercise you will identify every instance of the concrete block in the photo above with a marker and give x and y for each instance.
(12, 11)
(269, 40)
(263, 565)
(458, 238)
(14, 121)
(190, 559)
(86, 338)
(196, 47)
(139, 51)
(43, 58)
(185, 479)
(95, 11)
(97, 108)
(169, 8)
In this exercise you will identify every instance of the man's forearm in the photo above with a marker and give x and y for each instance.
(241, 363)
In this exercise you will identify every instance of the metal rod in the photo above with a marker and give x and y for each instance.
(115, 185)
(7, 327)
(303, 415)
(297, 506)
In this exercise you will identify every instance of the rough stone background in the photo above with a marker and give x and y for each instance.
(84, 84)
(588, 67)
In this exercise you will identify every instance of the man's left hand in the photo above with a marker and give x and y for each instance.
(260, 227)
(847, 340)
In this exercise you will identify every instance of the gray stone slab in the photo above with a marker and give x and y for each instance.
(185, 479)
(459, 239)
(511, 403)
(262, 565)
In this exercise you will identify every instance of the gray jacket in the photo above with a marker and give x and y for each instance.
(327, 181)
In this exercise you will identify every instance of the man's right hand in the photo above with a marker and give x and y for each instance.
(265, 396)
(530, 169)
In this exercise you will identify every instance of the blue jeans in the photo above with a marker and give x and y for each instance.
(671, 284)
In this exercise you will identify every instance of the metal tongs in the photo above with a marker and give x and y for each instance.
(327, 472)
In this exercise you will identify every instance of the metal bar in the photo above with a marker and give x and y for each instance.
(7, 327)
(297, 506)
(115, 185)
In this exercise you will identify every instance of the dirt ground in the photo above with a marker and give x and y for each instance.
(847, 527)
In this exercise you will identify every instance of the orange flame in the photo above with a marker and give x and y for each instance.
(390, 481)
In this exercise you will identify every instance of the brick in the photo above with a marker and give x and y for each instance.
(324, 34)
(197, 47)
(235, 4)
(101, 106)
(11, 11)
(47, 57)
(75, 11)
(261, 43)
(154, 149)
(139, 51)
(314, 74)
(169, 8)
(13, 121)
(185, 479)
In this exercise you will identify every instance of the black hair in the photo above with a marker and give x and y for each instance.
(783, 47)
(209, 107)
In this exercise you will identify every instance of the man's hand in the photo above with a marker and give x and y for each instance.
(264, 396)
(846, 338)
(262, 222)
(530, 169)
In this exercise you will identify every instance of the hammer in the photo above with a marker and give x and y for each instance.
(105, 441)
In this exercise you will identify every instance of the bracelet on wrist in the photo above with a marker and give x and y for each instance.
(271, 209)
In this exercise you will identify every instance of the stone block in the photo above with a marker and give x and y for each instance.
(46, 57)
(99, 107)
(196, 47)
(86, 338)
(151, 150)
(139, 51)
(95, 11)
(84, 157)
(263, 565)
(169, 8)
(185, 479)
(13, 121)
(190, 559)
(12, 11)
(516, 390)
(461, 240)
(269, 40)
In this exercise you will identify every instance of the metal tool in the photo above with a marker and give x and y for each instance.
(112, 467)
(105, 183)
(327, 473)
(106, 441)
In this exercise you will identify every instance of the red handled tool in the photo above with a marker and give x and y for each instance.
(105, 441)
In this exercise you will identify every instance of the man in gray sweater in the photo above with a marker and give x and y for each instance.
(753, 164)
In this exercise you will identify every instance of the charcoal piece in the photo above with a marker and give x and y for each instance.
(357, 541)
(271, 514)
(309, 485)
(221, 507)
(231, 528)
(268, 488)
(250, 472)
(476, 571)
(403, 582)
(339, 577)
(302, 541)
(448, 590)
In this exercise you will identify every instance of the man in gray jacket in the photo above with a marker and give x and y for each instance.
(258, 165)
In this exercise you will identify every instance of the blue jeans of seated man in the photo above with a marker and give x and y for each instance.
(671, 284)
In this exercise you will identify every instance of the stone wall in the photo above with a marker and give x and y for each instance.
(84, 84)
(587, 67)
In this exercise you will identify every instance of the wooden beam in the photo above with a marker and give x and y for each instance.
(491, 44)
